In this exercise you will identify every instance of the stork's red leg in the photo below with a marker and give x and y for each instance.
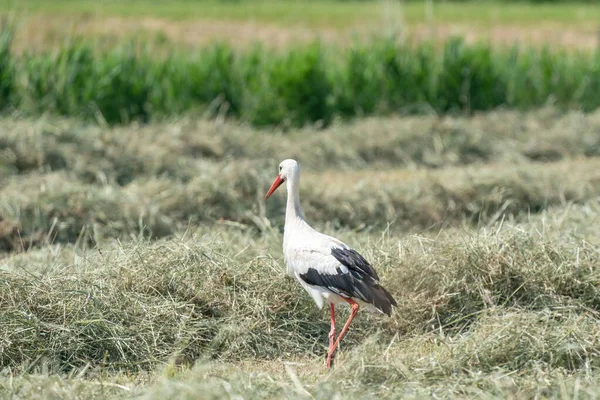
(344, 330)
(331, 337)
(332, 331)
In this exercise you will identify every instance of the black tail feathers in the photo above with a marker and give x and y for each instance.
(383, 300)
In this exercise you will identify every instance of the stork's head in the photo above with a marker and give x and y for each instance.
(288, 169)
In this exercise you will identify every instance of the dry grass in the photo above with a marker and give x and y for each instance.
(175, 147)
(281, 24)
(474, 310)
(143, 262)
(64, 182)
(43, 32)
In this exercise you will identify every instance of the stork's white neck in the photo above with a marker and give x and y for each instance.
(293, 211)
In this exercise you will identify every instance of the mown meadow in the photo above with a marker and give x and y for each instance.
(143, 260)
(139, 259)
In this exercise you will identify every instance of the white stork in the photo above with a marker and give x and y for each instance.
(328, 269)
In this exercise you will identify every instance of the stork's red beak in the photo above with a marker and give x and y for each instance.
(278, 181)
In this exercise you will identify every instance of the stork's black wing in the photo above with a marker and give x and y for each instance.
(353, 277)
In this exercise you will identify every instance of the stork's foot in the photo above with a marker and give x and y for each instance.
(330, 358)
(331, 352)
(333, 348)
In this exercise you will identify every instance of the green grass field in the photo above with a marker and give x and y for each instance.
(142, 261)
(320, 13)
(305, 85)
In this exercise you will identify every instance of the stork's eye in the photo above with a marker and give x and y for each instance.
(280, 168)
